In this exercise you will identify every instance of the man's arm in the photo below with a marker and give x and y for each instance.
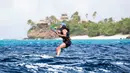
(64, 33)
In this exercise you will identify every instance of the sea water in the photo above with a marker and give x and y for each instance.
(83, 56)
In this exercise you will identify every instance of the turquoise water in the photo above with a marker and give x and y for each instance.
(83, 56)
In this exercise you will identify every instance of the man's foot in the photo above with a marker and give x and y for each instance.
(57, 56)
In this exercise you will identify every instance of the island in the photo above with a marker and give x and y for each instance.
(107, 28)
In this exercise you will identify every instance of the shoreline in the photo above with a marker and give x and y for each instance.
(85, 37)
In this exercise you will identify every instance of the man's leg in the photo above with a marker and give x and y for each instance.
(58, 49)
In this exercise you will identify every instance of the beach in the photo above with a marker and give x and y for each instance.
(83, 37)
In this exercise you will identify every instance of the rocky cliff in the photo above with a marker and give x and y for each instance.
(41, 31)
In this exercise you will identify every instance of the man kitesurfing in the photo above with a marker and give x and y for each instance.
(63, 32)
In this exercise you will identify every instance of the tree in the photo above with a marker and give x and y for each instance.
(109, 30)
(93, 29)
(76, 13)
(105, 20)
(110, 20)
(125, 25)
(86, 16)
(53, 19)
(94, 15)
(75, 17)
(30, 22)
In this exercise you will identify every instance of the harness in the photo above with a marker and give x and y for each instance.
(67, 38)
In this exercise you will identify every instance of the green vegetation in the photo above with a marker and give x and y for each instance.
(107, 26)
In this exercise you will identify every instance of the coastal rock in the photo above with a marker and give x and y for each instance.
(41, 31)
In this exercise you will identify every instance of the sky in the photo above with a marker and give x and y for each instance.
(15, 13)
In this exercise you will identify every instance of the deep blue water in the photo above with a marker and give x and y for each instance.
(83, 56)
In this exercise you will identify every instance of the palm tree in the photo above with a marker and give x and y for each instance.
(94, 15)
(87, 16)
(110, 20)
(76, 13)
(105, 20)
(30, 22)
(75, 17)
